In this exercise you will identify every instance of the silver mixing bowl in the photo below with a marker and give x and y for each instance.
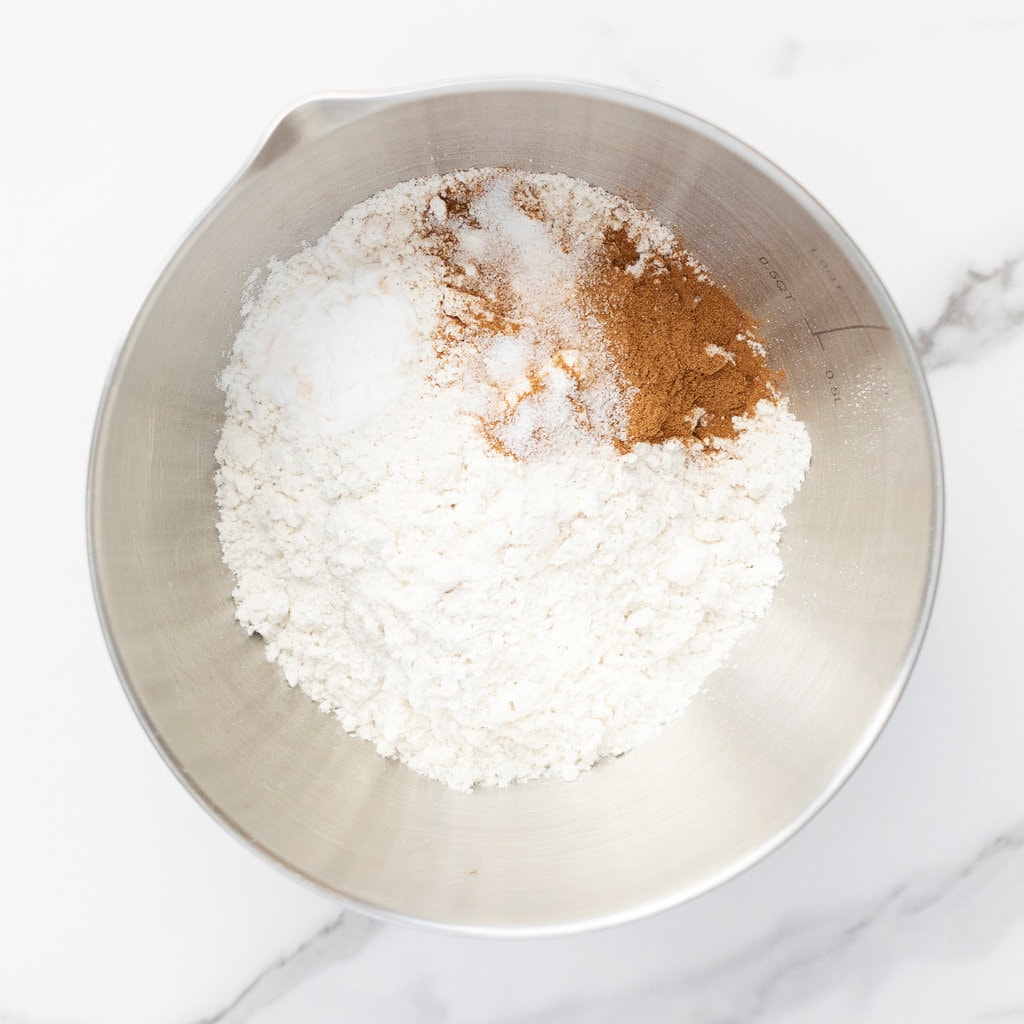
(780, 727)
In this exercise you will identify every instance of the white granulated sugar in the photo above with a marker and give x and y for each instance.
(486, 616)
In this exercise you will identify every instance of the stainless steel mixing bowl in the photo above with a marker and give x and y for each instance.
(780, 727)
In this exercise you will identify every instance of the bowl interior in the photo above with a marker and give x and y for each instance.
(780, 726)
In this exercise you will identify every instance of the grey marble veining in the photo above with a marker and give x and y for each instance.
(986, 309)
(338, 941)
(941, 915)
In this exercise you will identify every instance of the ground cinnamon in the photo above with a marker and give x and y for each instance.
(680, 341)
(478, 298)
(688, 358)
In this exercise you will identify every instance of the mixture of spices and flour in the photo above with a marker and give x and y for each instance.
(503, 474)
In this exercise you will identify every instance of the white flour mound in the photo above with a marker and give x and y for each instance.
(483, 618)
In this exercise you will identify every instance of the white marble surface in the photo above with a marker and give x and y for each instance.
(120, 901)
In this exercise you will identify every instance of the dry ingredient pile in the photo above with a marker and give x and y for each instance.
(502, 476)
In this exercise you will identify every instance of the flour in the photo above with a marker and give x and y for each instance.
(441, 544)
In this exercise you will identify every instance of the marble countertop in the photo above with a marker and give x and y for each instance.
(121, 901)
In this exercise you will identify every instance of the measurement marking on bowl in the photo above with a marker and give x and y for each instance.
(829, 272)
(845, 327)
(780, 282)
(830, 373)
(833, 388)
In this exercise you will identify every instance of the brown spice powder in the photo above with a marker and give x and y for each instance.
(479, 297)
(681, 342)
